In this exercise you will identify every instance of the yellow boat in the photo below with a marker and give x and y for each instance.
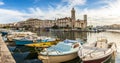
(43, 44)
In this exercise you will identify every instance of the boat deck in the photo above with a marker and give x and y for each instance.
(98, 50)
(93, 53)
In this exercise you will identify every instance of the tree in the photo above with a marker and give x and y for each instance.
(55, 27)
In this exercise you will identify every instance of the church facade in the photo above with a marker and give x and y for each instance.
(72, 21)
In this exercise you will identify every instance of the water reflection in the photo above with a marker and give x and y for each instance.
(65, 35)
(24, 54)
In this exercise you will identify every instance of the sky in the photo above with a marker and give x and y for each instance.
(100, 12)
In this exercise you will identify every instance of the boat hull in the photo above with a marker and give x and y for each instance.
(9, 39)
(23, 42)
(42, 44)
(100, 60)
(103, 58)
(57, 58)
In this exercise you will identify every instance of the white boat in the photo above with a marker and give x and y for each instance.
(98, 52)
(13, 35)
(63, 51)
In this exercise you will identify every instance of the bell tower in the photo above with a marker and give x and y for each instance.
(73, 17)
(85, 21)
(73, 14)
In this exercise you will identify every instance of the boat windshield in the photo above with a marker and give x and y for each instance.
(70, 41)
(61, 47)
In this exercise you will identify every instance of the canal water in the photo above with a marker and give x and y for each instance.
(24, 54)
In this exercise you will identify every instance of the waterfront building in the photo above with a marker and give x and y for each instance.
(72, 22)
(115, 26)
(20, 24)
(34, 23)
(64, 22)
(2, 25)
(7, 25)
(112, 26)
(47, 23)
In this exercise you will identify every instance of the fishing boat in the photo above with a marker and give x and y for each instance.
(13, 35)
(32, 39)
(43, 44)
(64, 51)
(97, 52)
(5, 31)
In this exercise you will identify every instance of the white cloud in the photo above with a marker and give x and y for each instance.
(10, 12)
(108, 14)
(2, 3)
(8, 16)
(73, 3)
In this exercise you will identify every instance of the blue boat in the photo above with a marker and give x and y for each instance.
(28, 40)
(24, 41)
(4, 33)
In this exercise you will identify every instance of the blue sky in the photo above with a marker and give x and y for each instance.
(25, 4)
(98, 11)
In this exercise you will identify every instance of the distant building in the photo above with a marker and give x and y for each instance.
(112, 26)
(33, 22)
(7, 25)
(2, 25)
(36, 23)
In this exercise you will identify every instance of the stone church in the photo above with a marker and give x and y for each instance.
(72, 21)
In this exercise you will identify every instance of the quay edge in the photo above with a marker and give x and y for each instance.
(5, 55)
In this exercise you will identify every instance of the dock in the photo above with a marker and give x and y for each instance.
(5, 55)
